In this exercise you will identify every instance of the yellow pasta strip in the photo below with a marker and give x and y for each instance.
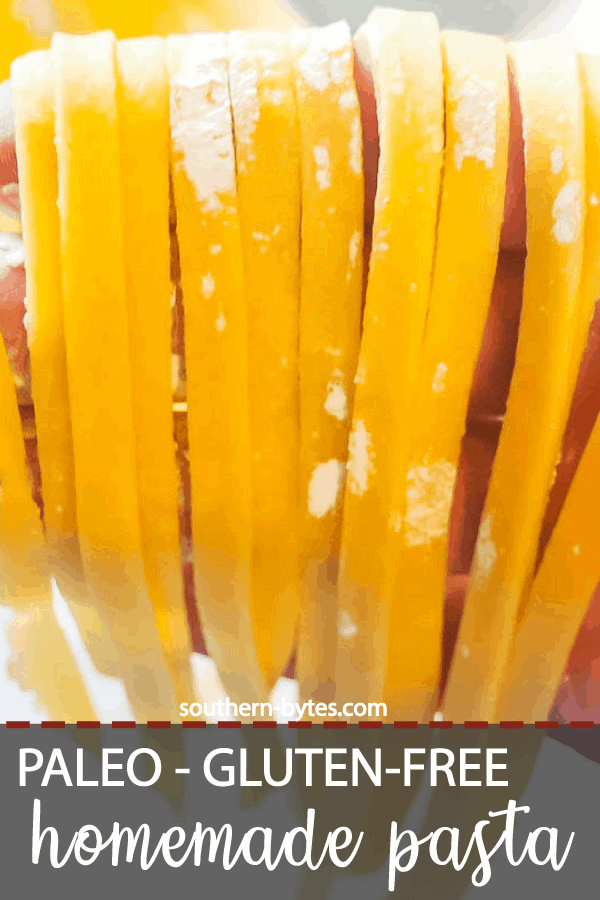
(468, 233)
(216, 345)
(550, 94)
(330, 311)
(268, 183)
(402, 50)
(589, 287)
(32, 86)
(143, 101)
(98, 362)
(33, 101)
(570, 568)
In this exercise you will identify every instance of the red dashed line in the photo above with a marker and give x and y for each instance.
(582, 723)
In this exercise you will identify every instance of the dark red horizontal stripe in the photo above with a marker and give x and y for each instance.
(22, 723)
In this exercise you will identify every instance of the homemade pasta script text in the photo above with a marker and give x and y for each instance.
(260, 846)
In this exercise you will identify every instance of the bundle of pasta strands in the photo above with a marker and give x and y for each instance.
(467, 239)
(33, 98)
(210, 248)
(403, 466)
(404, 55)
(557, 306)
(99, 455)
(111, 529)
(281, 323)
(261, 133)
